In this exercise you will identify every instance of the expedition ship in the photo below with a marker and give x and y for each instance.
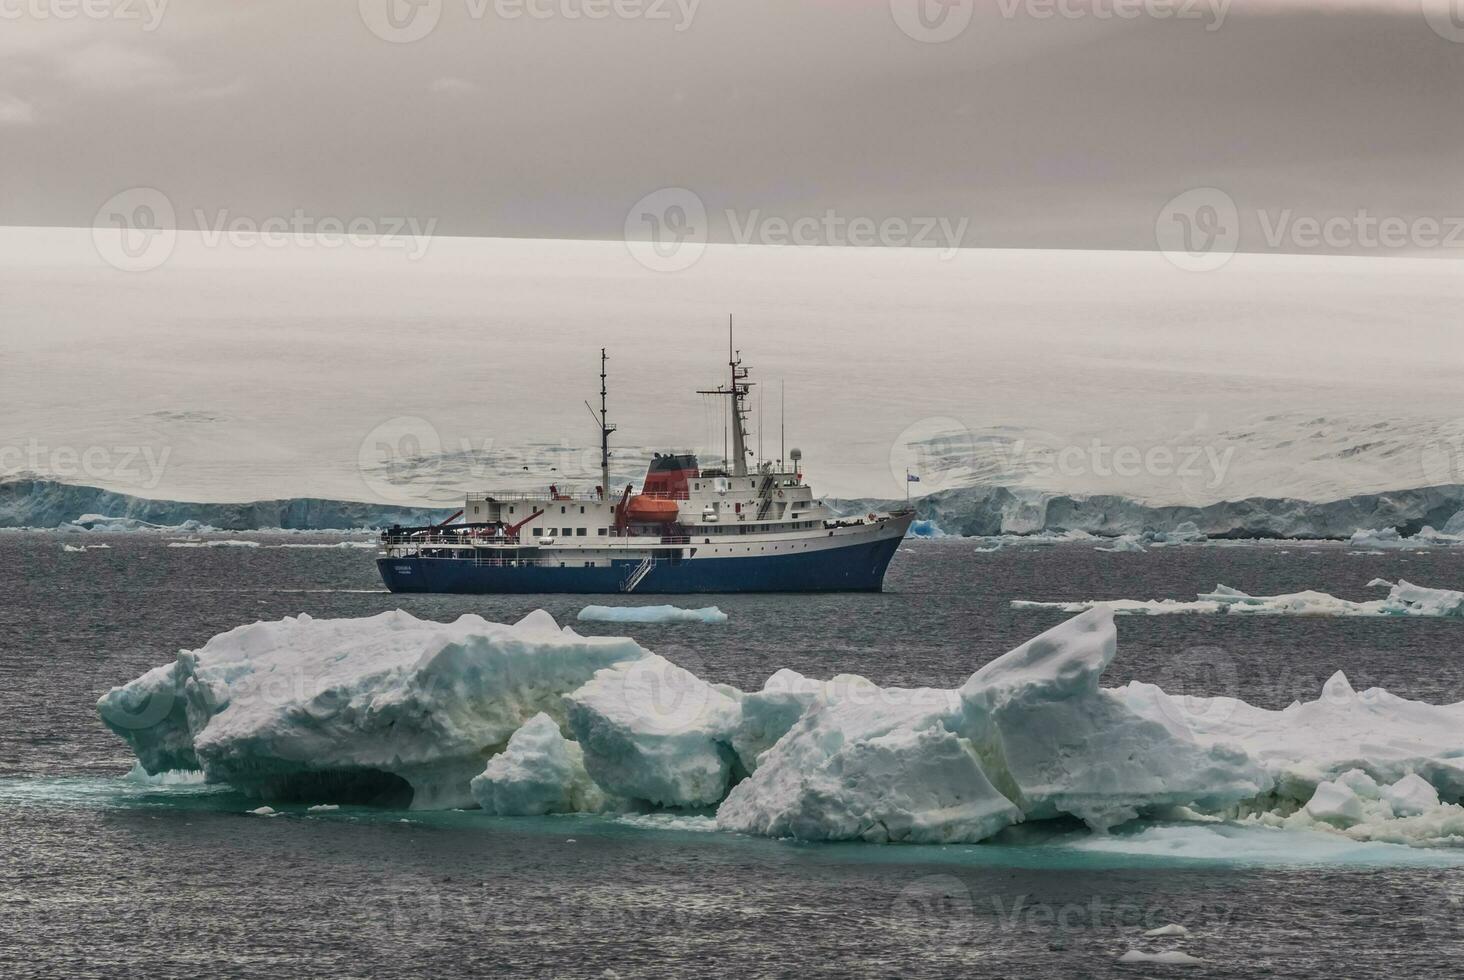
(733, 528)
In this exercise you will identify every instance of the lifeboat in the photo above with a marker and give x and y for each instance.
(651, 510)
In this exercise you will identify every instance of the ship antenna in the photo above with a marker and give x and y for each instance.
(605, 429)
(782, 422)
(736, 418)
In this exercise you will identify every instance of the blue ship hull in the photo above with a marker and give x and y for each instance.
(856, 568)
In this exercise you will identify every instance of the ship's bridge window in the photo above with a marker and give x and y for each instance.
(603, 531)
(537, 532)
(580, 532)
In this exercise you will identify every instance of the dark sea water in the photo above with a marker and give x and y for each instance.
(107, 876)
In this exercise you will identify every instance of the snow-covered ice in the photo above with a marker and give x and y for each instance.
(654, 731)
(358, 710)
(326, 709)
(1173, 929)
(539, 772)
(1123, 543)
(216, 543)
(1169, 957)
(1389, 538)
(651, 614)
(1404, 599)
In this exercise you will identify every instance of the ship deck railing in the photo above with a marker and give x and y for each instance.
(517, 496)
(420, 541)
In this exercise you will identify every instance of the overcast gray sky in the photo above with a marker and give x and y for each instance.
(1037, 123)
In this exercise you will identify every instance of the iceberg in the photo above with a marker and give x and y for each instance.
(386, 708)
(1029, 736)
(651, 614)
(1404, 599)
(539, 772)
(655, 732)
(1389, 538)
(531, 718)
(1171, 957)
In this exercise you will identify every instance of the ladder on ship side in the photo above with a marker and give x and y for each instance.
(638, 574)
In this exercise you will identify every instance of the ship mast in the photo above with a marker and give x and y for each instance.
(738, 393)
(605, 429)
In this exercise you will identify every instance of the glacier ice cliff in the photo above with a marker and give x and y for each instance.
(976, 511)
(533, 718)
(27, 501)
(982, 511)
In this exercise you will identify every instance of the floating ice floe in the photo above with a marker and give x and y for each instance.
(338, 546)
(532, 719)
(218, 543)
(1124, 543)
(1389, 538)
(114, 525)
(651, 614)
(1404, 599)
(1170, 957)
